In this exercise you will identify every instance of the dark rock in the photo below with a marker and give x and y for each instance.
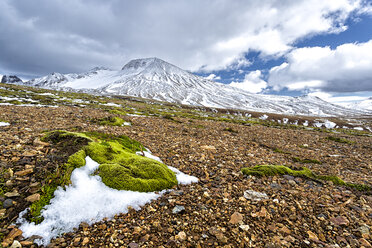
(7, 203)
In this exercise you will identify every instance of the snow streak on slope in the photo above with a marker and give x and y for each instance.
(156, 79)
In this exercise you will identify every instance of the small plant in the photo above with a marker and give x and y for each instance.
(230, 129)
(170, 117)
(278, 150)
(273, 170)
(111, 121)
(340, 140)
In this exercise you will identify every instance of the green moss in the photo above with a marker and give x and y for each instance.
(120, 167)
(340, 140)
(273, 170)
(111, 121)
(230, 129)
(278, 150)
(306, 160)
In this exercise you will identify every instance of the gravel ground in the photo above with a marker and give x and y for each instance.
(297, 212)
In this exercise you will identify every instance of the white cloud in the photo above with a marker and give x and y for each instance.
(72, 35)
(213, 77)
(346, 68)
(252, 82)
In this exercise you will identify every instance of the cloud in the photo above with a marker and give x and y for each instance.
(42, 36)
(346, 68)
(252, 82)
(213, 77)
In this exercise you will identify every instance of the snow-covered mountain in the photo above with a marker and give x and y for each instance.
(360, 105)
(156, 79)
(10, 79)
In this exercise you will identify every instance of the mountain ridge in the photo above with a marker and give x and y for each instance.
(157, 79)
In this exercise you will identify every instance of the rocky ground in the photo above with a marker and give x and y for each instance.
(220, 210)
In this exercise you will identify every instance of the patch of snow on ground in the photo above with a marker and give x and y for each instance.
(3, 124)
(264, 117)
(358, 128)
(87, 199)
(306, 123)
(329, 124)
(182, 178)
(126, 124)
(317, 124)
(285, 120)
(46, 94)
(111, 104)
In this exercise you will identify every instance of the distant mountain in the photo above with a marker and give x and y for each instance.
(11, 79)
(156, 79)
(359, 105)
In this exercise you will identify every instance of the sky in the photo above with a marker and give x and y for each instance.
(316, 47)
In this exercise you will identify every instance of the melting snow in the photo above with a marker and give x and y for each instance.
(87, 199)
(358, 128)
(264, 117)
(3, 124)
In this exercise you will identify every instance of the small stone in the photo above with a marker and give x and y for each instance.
(364, 230)
(339, 221)
(16, 244)
(24, 172)
(244, 227)
(178, 209)
(209, 148)
(288, 177)
(364, 243)
(7, 203)
(26, 243)
(14, 233)
(236, 218)
(285, 230)
(33, 198)
(312, 236)
(85, 241)
(2, 212)
(254, 195)
(181, 236)
(12, 194)
(292, 182)
(133, 245)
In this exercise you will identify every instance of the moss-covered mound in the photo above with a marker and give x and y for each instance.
(273, 170)
(120, 168)
(111, 121)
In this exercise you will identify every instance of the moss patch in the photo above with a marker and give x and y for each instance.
(120, 168)
(111, 121)
(340, 140)
(273, 170)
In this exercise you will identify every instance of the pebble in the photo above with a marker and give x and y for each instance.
(236, 218)
(7, 203)
(255, 196)
(339, 221)
(16, 244)
(178, 209)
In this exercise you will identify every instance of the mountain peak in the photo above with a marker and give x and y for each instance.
(142, 63)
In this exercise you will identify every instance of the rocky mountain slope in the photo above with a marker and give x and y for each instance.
(156, 79)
